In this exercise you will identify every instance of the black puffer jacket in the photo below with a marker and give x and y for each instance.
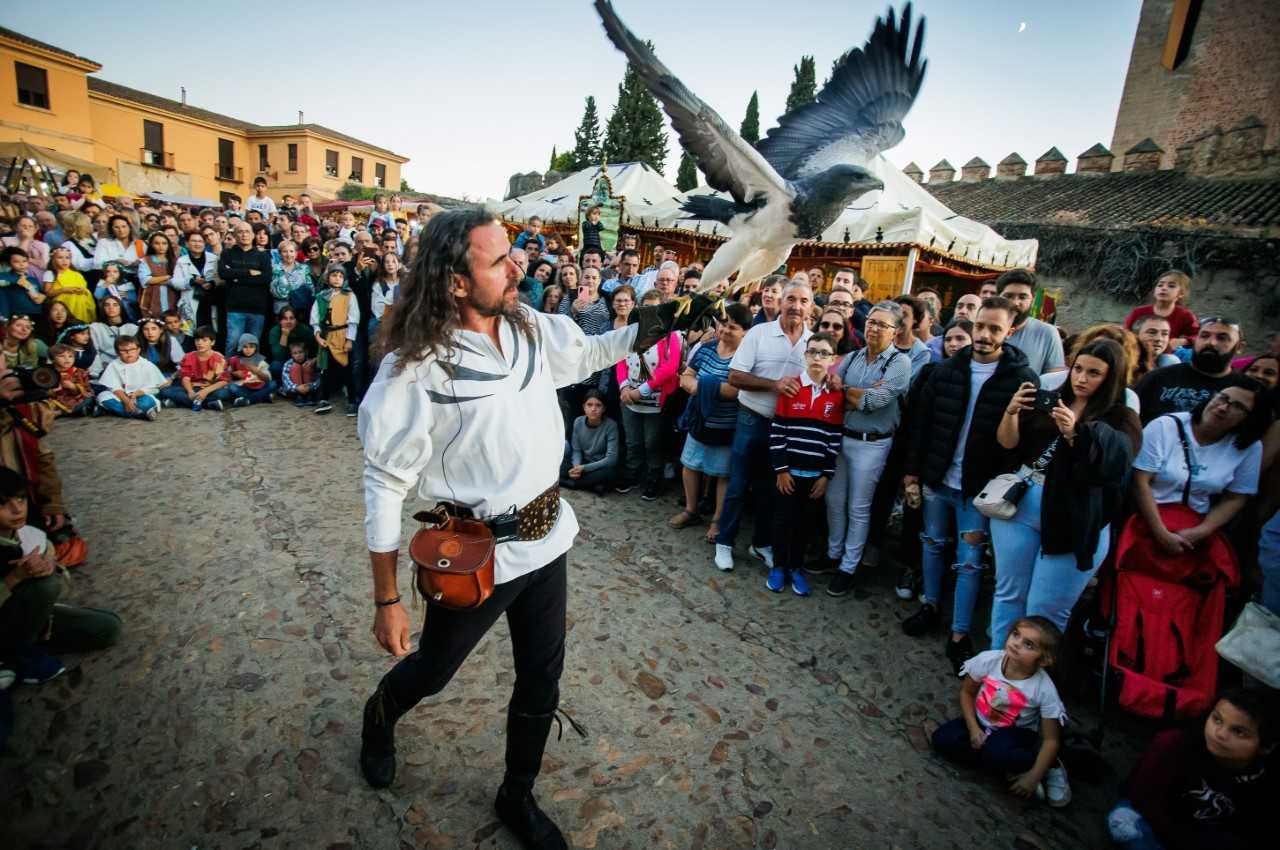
(943, 403)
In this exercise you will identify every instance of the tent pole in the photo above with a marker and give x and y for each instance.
(910, 274)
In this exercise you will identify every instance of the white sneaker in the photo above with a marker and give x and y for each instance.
(724, 558)
(764, 553)
(1056, 788)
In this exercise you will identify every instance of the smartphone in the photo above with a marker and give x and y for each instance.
(1046, 400)
(369, 251)
(584, 291)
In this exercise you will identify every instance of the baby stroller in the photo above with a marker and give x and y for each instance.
(1167, 612)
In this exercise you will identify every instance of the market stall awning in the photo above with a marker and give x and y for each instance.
(61, 162)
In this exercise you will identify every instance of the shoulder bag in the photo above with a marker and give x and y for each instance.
(999, 499)
(453, 558)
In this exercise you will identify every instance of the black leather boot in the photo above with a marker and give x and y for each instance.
(526, 740)
(378, 738)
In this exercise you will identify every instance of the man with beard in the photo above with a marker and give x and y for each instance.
(464, 409)
(1034, 338)
(1183, 387)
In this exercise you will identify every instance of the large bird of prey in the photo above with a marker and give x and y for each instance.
(797, 180)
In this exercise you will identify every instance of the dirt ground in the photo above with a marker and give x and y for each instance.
(720, 715)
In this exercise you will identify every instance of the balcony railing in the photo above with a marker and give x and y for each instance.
(230, 173)
(156, 159)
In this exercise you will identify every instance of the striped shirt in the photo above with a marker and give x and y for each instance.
(879, 412)
(706, 362)
(804, 437)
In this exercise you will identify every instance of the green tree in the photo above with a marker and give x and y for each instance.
(552, 164)
(404, 185)
(687, 176)
(751, 124)
(635, 132)
(804, 86)
(357, 192)
(586, 139)
(563, 163)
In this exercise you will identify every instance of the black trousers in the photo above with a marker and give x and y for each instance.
(535, 609)
(794, 518)
(335, 377)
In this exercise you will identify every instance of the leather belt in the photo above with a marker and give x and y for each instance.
(865, 435)
(532, 522)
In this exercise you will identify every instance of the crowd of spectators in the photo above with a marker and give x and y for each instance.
(802, 402)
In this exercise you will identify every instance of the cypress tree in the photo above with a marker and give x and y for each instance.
(586, 139)
(552, 165)
(687, 176)
(804, 86)
(635, 132)
(751, 124)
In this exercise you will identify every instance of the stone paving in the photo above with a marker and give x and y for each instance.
(720, 715)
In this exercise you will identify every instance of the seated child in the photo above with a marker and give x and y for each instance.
(592, 460)
(158, 347)
(804, 442)
(299, 376)
(173, 324)
(20, 292)
(201, 382)
(1205, 787)
(249, 374)
(64, 284)
(130, 383)
(79, 337)
(115, 283)
(1005, 698)
(32, 621)
(74, 396)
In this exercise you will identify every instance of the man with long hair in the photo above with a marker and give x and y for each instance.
(464, 406)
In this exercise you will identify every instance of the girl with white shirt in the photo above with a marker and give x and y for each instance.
(386, 287)
(111, 325)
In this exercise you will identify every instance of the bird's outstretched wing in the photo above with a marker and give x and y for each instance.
(729, 163)
(859, 113)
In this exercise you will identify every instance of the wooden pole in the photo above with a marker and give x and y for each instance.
(910, 273)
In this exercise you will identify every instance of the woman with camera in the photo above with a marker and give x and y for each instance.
(1075, 447)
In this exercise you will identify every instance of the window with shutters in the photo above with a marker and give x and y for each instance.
(293, 157)
(331, 163)
(380, 175)
(33, 85)
(263, 163)
(226, 159)
(357, 169)
(153, 143)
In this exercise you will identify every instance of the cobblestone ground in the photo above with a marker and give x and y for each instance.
(720, 715)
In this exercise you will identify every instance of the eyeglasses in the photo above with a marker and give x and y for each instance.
(830, 326)
(1235, 405)
(816, 354)
(884, 326)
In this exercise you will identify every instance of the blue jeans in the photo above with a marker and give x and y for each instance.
(943, 508)
(1008, 750)
(243, 323)
(1269, 561)
(1029, 582)
(1130, 830)
(116, 406)
(748, 468)
(257, 396)
(176, 394)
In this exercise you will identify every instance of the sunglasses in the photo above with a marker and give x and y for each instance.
(831, 326)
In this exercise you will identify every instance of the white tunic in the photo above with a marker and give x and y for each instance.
(479, 428)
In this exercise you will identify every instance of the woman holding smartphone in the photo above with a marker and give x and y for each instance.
(1075, 452)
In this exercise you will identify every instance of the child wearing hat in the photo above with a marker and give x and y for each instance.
(249, 374)
(336, 319)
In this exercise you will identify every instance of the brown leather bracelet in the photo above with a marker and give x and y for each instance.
(387, 604)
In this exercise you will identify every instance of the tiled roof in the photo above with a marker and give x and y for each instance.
(1161, 199)
(26, 39)
(125, 93)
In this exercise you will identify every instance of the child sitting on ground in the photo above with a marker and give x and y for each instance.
(804, 442)
(130, 383)
(1005, 698)
(299, 376)
(68, 286)
(173, 325)
(249, 374)
(592, 460)
(1205, 787)
(74, 396)
(200, 381)
(79, 338)
(20, 292)
(336, 318)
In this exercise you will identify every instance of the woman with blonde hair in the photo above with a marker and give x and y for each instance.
(1168, 300)
(81, 242)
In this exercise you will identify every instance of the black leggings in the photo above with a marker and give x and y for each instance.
(535, 607)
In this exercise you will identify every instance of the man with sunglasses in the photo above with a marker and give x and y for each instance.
(1181, 388)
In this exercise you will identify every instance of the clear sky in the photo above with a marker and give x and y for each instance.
(473, 92)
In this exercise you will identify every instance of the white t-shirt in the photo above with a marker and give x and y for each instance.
(1003, 702)
(1218, 466)
(768, 353)
(1055, 380)
(266, 206)
(979, 374)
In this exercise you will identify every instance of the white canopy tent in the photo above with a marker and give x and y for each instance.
(903, 212)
